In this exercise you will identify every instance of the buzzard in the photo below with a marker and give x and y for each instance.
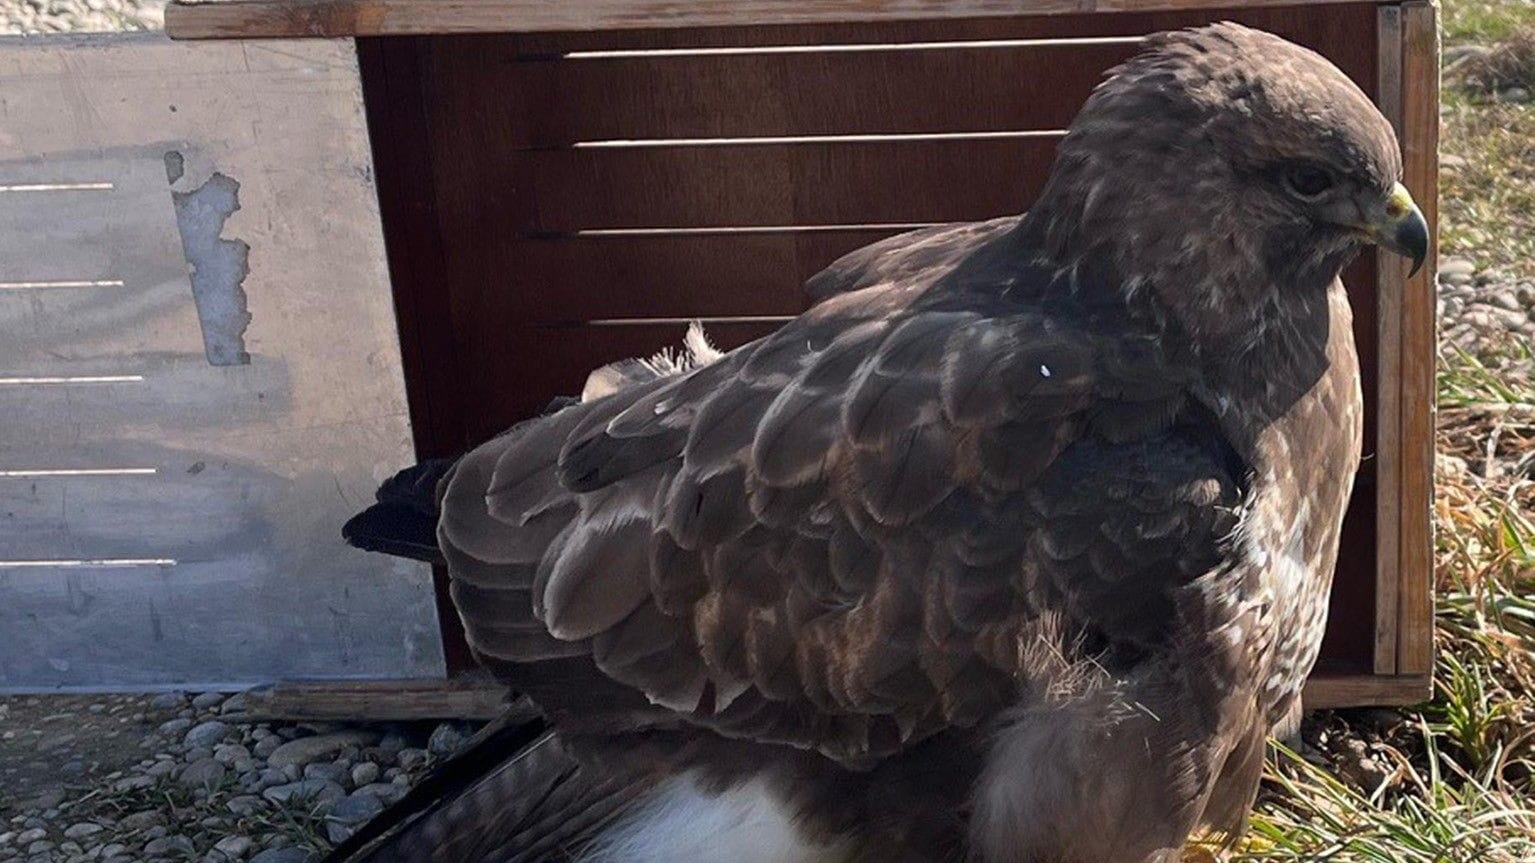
(1014, 548)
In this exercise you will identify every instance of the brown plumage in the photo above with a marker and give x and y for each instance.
(1014, 548)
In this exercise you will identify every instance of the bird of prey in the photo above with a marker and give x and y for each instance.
(1014, 548)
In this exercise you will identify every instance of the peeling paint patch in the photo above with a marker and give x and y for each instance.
(218, 266)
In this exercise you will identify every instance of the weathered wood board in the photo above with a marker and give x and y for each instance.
(199, 371)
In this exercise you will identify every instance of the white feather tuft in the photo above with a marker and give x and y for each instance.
(681, 821)
(696, 352)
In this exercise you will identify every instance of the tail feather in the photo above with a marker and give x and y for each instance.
(514, 795)
(404, 521)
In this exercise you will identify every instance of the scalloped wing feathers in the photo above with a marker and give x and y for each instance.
(842, 536)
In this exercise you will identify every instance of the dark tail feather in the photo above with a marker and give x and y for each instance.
(404, 521)
(514, 795)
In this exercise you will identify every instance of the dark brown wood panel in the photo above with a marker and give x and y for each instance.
(576, 279)
(1342, 31)
(562, 101)
(779, 185)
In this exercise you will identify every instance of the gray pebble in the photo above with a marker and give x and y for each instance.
(233, 847)
(208, 700)
(82, 830)
(174, 726)
(204, 773)
(1506, 299)
(138, 821)
(1456, 266)
(196, 753)
(230, 754)
(243, 805)
(364, 773)
(265, 746)
(306, 749)
(447, 739)
(282, 855)
(393, 742)
(168, 701)
(27, 837)
(333, 772)
(410, 759)
(169, 846)
(318, 790)
(357, 808)
(386, 792)
(206, 734)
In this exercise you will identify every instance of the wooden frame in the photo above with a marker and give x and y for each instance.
(420, 60)
(248, 19)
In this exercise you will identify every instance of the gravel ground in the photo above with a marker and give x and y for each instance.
(59, 16)
(175, 777)
(1480, 308)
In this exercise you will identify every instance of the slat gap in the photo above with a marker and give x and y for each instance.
(702, 319)
(32, 473)
(726, 229)
(69, 380)
(95, 562)
(844, 48)
(61, 283)
(58, 187)
(765, 140)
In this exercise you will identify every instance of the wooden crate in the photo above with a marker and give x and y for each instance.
(564, 184)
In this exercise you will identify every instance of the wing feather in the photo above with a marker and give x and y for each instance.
(849, 535)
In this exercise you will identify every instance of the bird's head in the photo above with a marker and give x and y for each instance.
(1222, 165)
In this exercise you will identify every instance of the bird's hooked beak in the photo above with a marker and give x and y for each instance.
(1399, 226)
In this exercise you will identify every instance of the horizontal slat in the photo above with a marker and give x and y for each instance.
(561, 101)
(1332, 691)
(467, 696)
(246, 19)
(804, 184)
(574, 279)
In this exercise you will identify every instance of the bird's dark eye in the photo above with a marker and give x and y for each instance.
(1308, 182)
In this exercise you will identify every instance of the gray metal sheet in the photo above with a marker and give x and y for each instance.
(165, 520)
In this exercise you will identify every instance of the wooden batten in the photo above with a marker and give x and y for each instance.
(250, 19)
(1391, 273)
(1420, 126)
(468, 696)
